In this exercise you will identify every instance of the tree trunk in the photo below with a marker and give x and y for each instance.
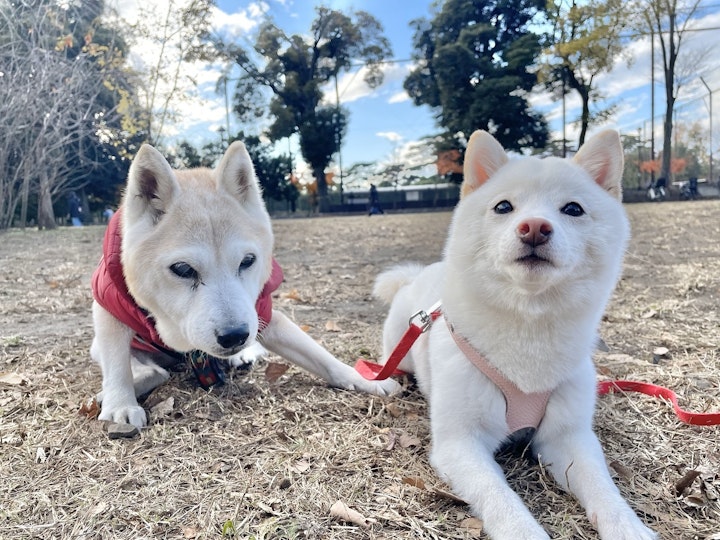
(668, 126)
(322, 192)
(25, 195)
(665, 170)
(585, 119)
(46, 215)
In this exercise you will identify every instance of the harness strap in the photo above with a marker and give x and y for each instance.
(523, 410)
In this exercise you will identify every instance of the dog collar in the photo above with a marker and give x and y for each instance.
(524, 411)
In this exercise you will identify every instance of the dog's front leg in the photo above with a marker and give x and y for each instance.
(285, 338)
(566, 443)
(577, 463)
(111, 349)
(465, 462)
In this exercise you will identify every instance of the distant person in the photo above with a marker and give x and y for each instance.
(693, 186)
(107, 214)
(656, 191)
(75, 209)
(375, 207)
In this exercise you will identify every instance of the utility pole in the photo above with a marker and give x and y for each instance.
(339, 141)
(710, 175)
(652, 103)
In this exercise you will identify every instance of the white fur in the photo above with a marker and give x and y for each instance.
(535, 321)
(210, 220)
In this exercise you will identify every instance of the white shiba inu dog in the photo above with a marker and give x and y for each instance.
(533, 254)
(187, 267)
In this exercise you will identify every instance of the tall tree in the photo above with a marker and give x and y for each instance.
(168, 41)
(474, 69)
(584, 41)
(668, 22)
(294, 70)
(57, 104)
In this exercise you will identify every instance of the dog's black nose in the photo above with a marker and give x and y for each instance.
(228, 338)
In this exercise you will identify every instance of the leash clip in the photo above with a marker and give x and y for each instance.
(425, 319)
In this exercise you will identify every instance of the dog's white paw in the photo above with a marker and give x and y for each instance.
(623, 525)
(249, 355)
(387, 387)
(124, 414)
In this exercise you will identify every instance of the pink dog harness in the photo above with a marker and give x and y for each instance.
(111, 292)
(523, 410)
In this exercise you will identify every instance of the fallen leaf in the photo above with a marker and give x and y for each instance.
(100, 508)
(621, 469)
(406, 441)
(685, 482)
(192, 532)
(90, 409)
(473, 525)
(447, 495)
(332, 326)
(342, 511)
(165, 407)
(300, 466)
(292, 295)
(305, 328)
(15, 379)
(393, 409)
(695, 501)
(414, 482)
(274, 371)
(392, 439)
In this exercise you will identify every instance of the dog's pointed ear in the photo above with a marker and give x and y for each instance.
(483, 157)
(236, 174)
(151, 185)
(602, 157)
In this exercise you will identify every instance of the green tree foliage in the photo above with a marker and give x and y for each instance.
(474, 69)
(294, 70)
(584, 42)
(272, 171)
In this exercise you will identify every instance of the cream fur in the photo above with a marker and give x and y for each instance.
(535, 320)
(210, 220)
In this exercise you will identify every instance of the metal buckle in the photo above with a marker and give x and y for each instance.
(426, 319)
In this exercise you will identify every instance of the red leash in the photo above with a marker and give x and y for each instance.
(377, 372)
(418, 324)
(697, 419)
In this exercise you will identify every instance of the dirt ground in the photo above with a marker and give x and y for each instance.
(261, 458)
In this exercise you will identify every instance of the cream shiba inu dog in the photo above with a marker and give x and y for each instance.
(187, 267)
(533, 254)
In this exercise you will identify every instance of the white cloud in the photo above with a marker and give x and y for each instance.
(352, 86)
(391, 136)
(239, 24)
(399, 97)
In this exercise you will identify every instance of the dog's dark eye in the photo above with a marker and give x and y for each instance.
(572, 209)
(247, 262)
(184, 270)
(503, 207)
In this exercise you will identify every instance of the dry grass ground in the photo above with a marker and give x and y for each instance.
(267, 460)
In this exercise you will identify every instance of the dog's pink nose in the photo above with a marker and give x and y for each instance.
(534, 231)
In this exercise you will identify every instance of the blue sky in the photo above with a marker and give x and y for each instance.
(384, 122)
(381, 121)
